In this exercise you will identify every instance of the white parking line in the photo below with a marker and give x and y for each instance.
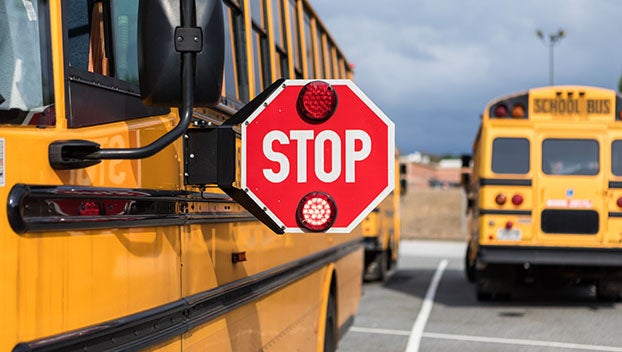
(484, 339)
(573, 346)
(422, 319)
(380, 331)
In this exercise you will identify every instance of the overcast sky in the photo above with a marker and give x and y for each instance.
(433, 65)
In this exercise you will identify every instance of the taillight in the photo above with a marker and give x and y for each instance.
(518, 111)
(501, 110)
(501, 199)
(619, 202)
(316, 102)
(316, 212)
(89, 208)
(517, 199)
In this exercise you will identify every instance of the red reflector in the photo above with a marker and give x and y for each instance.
(89, 208)
(517, 199)
(317, 102)
(501, 199)
(316, 212)
(518, 111)
(500, 110)
(237, 257)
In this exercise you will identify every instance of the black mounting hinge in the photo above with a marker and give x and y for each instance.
(188, 39)
(209, 156)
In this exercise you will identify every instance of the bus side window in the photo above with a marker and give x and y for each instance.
(102, 54)
(114, 56)
(79, 22)
(98, 60)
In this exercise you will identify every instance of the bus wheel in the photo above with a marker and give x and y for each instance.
(377, 269)
(604, 293)
(330, 330)
(469, 265)
(482, 294)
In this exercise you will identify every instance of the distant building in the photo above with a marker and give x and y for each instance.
(418, 171)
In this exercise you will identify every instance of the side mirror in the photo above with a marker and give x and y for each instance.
(162, 42)
(465, 181)
(179, 44)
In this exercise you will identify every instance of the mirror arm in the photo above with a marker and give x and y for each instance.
(185, 112)
(64, 154)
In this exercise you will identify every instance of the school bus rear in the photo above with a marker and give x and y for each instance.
(545, 190)
(381, 231)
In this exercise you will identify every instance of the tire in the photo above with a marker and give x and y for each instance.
(496, 282)
(383, 265)
(469, 265)
(377, 269)
(330, 330)
(606, 294)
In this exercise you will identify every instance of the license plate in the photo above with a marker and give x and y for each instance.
(509, 234)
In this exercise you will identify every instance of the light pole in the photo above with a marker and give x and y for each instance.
(551, 40)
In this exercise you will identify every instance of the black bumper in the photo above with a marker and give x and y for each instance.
(551, 255)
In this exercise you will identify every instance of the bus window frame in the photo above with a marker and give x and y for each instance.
(87, 92)
(309, 47)
(260, 50)
(281, 64)
(235, 23)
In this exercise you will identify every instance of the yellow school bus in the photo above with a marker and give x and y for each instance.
(114, 235)
(545, 196)
(381, 234)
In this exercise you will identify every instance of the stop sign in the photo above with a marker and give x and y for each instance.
(320, 142)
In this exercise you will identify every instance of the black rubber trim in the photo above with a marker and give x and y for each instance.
(503, 212)
(59, 208)
(156, 325)
(551, 255)
(615, 184)
(504, 182)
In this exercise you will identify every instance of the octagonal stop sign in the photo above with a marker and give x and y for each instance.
(317, 156)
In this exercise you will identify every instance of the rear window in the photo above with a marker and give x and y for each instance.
(570, 157)
(616, 158)
(510, 156)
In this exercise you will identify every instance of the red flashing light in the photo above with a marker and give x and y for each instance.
(501, 199)
(500, 110)
(619, 202)
(317, 101)
(517, 199)
(316, 212)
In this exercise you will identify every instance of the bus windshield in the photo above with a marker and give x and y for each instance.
(22, 84)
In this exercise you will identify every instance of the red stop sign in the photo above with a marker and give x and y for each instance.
(347, 156)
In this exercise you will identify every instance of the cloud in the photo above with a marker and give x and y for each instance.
(432, 65)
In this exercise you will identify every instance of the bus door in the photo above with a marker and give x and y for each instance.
(614, 192)
(571, 186)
